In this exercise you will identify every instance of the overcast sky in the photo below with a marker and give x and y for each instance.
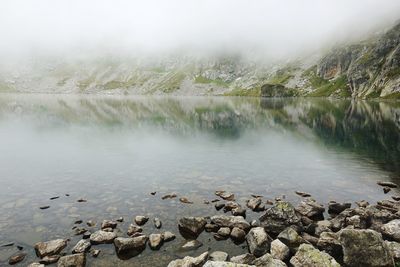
(275, 27)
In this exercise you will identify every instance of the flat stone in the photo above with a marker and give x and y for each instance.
(190, 261)
(102, 237)
(191, 245)
(36, 264)
(76, 260)
(50, 247)
(388, 184)
(243, 259)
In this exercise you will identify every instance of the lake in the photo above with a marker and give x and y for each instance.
(113, 151)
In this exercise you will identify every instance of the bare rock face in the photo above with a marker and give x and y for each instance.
(81, 247)
(76, 260)
(102, 237)
(279, 217)
(50, 247)
(190, 261)
(364, 248)
(307, 255)
(258, 241)
(230, 221)
(130, 245)
(279, 250)
(191, 226)
(392, 229)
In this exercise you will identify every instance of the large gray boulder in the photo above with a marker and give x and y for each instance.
(225, 264)
(279, 217)
(392, 229)
(364, 248)
(130, 245)
(279, 250)
(230, 221)
(268, 261)
(308, 256)
(258, 241)
(102, 237)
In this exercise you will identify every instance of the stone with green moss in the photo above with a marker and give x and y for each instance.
(308, 256)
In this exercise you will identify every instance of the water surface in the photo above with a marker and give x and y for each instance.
(114, 151)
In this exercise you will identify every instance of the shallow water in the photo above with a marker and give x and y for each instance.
(114, 151)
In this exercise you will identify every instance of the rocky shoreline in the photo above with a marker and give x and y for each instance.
(308, 234)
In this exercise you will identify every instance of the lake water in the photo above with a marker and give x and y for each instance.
(114, 151)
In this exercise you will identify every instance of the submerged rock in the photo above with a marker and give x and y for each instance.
(191, 245)
(50, 247)
(102, 237)
(16, 258)
(190, 261)
(76, 260)
(364, 248)
(279, 217)
(191, 226)
(258, 241)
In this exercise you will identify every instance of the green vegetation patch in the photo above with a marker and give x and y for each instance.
(204, 80)
(330, 87)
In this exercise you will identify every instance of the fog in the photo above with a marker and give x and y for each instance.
(276, 28)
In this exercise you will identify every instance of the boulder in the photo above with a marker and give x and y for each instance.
(191, 226)
(307, 255)
(219, 256)
(291, 238)
(395, 249)
(392, 229)
(364, 248)
(109, 224)
(323, 226)
(268, 261)
(279, 250)
(230, 221)
(243, 259)
(224, 232)
(224, 264)
(127, 245)
(330, 243)
(168, 236)
(134, 229)
(76, 260)
(258, 241)
(336, 208)
(254, 203)
(237, 234)
(50, 247)
(279, 217)
(190, 261)
(155, 241)
(102, 237)
(311, 209)
(81, 247)
(141, 220)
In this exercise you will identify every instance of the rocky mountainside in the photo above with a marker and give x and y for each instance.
(367, 69)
